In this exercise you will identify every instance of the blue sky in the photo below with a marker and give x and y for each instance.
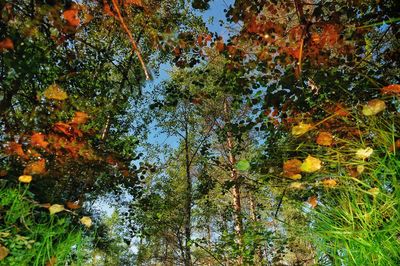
(212, 16)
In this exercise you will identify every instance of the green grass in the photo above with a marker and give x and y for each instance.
(31, 235)
(358, 222)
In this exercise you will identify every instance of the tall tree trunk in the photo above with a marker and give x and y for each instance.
(188, 204)
(236, 188)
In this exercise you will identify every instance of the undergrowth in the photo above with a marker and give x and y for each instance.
(29, 235)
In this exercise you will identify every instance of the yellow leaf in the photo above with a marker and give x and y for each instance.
(296, 185)
(3, 252)
(364, 153)
(374, 191)
(55, 208)
(373, 107)
(25, 179)
(310, 165)
(55, 92)
(301, 129)
(86, 221)
(295, 177)
(329, 183)
(360, 169)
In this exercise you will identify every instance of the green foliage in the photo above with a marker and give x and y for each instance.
(243, 165)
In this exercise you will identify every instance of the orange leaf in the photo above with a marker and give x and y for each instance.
(14, 148)
(72, 205)
(329, 183)
(71, 16)
(313, 201)
(391, 89)
(324, 139)
(64, 128)
(35, 168)
(340, 110)
(219, 45)
(37, 139)
(80, 118)
(6, 44)
(107, 9)
(291, 167)
(52, 261)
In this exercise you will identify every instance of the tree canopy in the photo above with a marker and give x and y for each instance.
(135, 133)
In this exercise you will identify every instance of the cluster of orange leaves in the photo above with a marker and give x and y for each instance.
(64, 141)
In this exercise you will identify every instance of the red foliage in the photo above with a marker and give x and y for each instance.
(391, 89)
(13, 148)
(71, 16)
(36, 167)
(6, 44)
(38, 140)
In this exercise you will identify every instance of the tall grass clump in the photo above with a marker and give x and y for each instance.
(29, 235)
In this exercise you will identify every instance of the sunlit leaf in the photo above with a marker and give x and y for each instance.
(3, 252)
(243, 165)
(80, 118)
(54, 92)
(86, 221)
(56, 208)
(391, 89)
(25, 179)
(313, 201)
(301, 129)
(324, 139)
(364, 153)
(291, 168)
(296, 185)
(373, 107)
(37, 140)
(310, 164)
(329, 183)
(295, 177)
(36, 167)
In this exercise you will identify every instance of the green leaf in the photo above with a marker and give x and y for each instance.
(243, 165)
